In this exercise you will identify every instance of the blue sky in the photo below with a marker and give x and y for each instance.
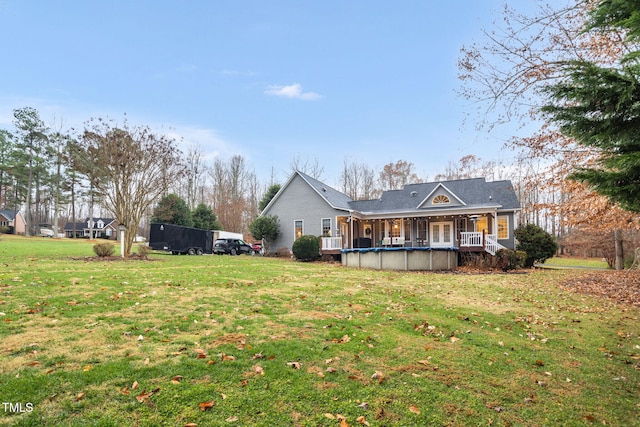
(372, 81)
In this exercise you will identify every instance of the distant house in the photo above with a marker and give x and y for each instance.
(97, 228)
(465, 215)
(14, 220)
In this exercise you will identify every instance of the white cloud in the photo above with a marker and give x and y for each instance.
(292, 91)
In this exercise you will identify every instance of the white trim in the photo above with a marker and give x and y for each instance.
(440, 185)
(322, 227)
(295, 236)
(440, 234)
(498, 217)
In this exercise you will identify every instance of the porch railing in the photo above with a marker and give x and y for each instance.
(331, 243)
(488, 241)
(491, 244)
(471, 238)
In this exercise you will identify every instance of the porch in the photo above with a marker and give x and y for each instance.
(467, 233)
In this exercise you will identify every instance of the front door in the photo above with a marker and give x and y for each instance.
(441, 234)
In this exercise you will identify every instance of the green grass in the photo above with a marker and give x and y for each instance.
(78, 335)
(575, 262)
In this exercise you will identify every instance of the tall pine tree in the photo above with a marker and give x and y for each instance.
(599, 107)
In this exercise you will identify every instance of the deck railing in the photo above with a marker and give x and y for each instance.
(471, 238)
(488, 241)
(331, 243)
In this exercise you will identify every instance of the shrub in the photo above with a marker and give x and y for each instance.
(306, 248)
(144, 251)
(103, 249)
(537, 243)
(507, 259)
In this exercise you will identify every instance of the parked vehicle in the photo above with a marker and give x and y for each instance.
(178, 239)
(221, 234)
(257, 247)
(232, 247)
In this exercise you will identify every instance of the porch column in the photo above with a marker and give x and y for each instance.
(495, 223)
(351, 232)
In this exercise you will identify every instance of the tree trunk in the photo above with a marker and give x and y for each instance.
(619, 249)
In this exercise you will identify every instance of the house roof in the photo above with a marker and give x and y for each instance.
(9, 214)
(333, 197)
(83, 224)
(467, 193)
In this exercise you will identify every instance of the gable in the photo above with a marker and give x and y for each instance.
(440, 197)
(304, 188)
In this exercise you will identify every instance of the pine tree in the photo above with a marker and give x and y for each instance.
(599, 106)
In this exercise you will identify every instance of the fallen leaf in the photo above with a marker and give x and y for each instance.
(330, 416)
(205, 406)
(361, 419)
(135, 385)
(190, 425)
(144, 396)
(258, 370)
(294, 365)
(454, 339)
(344, 339)
(177, 379)
(232, 419)
(87, 368)
(378, 376)
(414, 409)
(79, 396)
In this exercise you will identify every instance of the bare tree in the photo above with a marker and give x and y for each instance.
(313, 168)
(133, 168)
(235, 193)
(194, 175)
(357, 180)
(396, 175)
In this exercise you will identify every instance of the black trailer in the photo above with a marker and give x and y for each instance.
(178, 239)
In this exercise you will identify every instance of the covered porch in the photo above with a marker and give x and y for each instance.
(464, 232)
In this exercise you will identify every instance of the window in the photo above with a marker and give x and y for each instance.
(396, 228)
(503, 227)
(482, 224)
(326, 227)
(440, 199)
(422, 231)
(298, 228)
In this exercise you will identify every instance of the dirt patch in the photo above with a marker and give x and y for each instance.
(622, 287)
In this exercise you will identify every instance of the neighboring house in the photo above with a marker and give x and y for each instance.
(98, 228)
(467, 214)
(14, 220)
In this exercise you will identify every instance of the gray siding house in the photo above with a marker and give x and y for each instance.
(467, 214)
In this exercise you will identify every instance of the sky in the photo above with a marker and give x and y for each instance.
(372, 81)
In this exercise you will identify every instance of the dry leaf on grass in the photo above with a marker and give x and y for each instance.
(144, 396)
(205, 406)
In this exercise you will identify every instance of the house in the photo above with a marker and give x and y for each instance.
(14, 220)
(97, 228)
(466, 215)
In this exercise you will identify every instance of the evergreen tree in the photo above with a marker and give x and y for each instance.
(172, 209)
(599, 107)
(270, 194)
(204, 218)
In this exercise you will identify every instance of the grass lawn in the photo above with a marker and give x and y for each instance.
(252, 341)
(575, 262)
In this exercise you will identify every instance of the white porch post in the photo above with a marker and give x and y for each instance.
(350, 242)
